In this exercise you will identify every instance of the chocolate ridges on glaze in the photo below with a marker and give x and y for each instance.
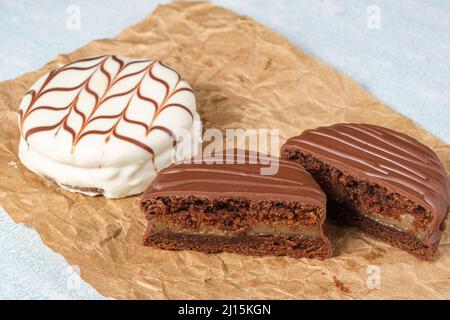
(223, 203)
(352, 157)
(382, 155)
(205, 177)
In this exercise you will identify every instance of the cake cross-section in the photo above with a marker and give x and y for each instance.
(225, 202)
(384, 182)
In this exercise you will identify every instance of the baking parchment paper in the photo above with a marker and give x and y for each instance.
(245, 76)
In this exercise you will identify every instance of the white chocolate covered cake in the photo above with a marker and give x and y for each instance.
(106, 125)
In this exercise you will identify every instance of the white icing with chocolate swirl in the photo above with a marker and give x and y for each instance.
(106, 124)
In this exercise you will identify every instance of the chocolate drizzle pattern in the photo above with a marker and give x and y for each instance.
(381, 155)
(240, 176)
(122, 85)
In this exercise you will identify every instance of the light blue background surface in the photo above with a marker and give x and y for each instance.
(405, 63)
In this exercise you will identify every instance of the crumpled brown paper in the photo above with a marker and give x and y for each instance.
(245, 76)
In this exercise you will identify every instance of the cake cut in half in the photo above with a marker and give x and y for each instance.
(386, 183)
(215, 205)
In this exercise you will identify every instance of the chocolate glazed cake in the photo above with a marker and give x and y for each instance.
(384, 182)
(232, 207)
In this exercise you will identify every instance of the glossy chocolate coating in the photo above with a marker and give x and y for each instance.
(241, 178)
(383, 156)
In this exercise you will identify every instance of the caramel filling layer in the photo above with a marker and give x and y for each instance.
(158, 224)
(405, 222)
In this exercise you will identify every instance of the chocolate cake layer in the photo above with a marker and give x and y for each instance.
(225, 203)
(399, 238)
(383, 176)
